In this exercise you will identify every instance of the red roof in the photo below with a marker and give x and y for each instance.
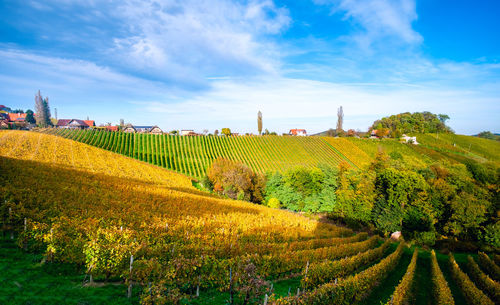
(17, 116)
(296, 131)
(111, 128)
(90, 123)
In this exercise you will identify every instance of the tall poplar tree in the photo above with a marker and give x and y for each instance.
(259, 122)
(340, 120)
(42, 111)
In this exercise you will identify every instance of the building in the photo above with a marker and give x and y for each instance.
(129, 129)
(187, 132)
(75, 124)
(107, 128)
(298, 132)
(16, 117)
(143, 129)
(111, 128)
(407, 139)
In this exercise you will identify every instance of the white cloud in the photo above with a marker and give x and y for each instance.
(80, 88)
(200, 38)
(288, 103)
(379, 18)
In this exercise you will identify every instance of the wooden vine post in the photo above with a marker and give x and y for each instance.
(129, 292)
(230, 285)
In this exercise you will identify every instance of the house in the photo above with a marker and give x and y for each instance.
(74, 124)
(107, 128)
(187, 132)
(129, 129)
(16, 117)
(298, 132)
(90, 123)
(143, 129)
(155, 130)
(407, 139)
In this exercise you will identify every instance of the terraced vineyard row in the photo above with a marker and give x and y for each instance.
(193, 155)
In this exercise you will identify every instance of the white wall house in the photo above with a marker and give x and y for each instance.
(186, 132)
(407, 139)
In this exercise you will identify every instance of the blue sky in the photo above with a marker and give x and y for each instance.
(206, 64)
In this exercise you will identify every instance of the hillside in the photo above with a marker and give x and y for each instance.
(193, 155)
(82, 202)
(95, 209)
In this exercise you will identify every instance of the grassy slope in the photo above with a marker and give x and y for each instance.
(25, 281)
(473, 147)
(80, 169)
(65, 279)
(192, 155)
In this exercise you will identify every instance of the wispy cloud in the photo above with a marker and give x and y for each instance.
(200, 38)
(378, 19)
(79, 88)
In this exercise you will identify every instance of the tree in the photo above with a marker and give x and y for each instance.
(122, 122)
(174, 132)
(259, 122)
(216, 132)
(330, 133)
(29, 117)
(443, 118)
(226, 131)
(486, 135)
(42, 110)
(236, 180)
(340, 120)
(205, 131)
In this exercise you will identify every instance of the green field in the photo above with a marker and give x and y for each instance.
(193, 155)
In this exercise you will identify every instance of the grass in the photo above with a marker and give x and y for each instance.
(445, 268)
(382, 293)
(25, 281)
(422, 293)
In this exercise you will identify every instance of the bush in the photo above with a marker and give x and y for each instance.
(274, 203)
(491, 235)
(425, 238)
(236, 180)
(303, 189)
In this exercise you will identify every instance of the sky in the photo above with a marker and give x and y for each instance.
(210, 64)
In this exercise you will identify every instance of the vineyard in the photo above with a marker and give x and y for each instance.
(193, 155)
(138, 225)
